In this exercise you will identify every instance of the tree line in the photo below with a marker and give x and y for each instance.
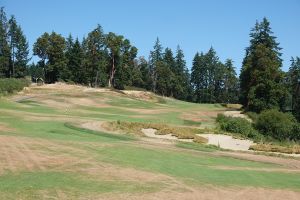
(110, 60)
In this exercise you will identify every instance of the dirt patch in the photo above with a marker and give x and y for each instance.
(20, 153)
(5, 128)
(228, 142)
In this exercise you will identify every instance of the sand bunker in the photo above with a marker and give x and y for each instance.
(227, 142)
(150, 132)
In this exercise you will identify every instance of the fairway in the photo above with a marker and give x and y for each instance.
(47, 154)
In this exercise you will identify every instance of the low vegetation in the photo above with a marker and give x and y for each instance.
(162, 129)
(289, 148)
(10, 85)
(278, 125)
(239, 126)
(273, 130)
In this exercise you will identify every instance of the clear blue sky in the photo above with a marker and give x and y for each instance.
(193, 24)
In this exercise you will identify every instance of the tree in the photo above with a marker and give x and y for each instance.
(51, 48)
(231, 84)
(261, 77)
(125, 65)
(21, 54)
(113, 43)
(155, 56)
(294, 86)
(182, 89)
(96, 57)
(4, 47)
(75, 56)
(170, 80)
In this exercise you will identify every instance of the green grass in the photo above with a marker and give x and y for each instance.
(200, 169)
(188, 162)
(197, 146)
(29, 185)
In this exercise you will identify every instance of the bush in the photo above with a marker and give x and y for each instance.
(237, 125)
(279, 125)
(10, 85)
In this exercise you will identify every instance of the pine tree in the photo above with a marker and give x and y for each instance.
(261, 77)
(182, 89)
(96, 57)
(75, 63)
(12, 33)
(4, 47)
(294, 86)
(21, 54)
(170, 80)
(156, 56)
(231, 87)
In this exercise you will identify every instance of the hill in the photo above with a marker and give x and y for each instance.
(71, 142)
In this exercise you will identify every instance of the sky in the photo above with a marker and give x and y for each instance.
(195, 25)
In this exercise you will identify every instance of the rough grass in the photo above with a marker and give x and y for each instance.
(162, 129)
(290, 149)
(200, 169)
(60, 137)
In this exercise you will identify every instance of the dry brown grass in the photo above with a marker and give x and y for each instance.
(293, 149)
(162, 129)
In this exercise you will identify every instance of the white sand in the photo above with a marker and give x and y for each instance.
(227, 142)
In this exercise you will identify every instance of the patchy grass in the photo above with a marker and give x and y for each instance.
(200, 169)
(290, 149)
(197, 147)
(162, 129)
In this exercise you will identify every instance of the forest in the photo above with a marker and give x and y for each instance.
(109, 60)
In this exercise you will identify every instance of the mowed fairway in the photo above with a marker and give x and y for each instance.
(46, 154)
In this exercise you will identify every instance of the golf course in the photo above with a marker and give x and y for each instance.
(60, 141)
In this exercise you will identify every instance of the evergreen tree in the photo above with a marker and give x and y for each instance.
(76, 66)
(12, 33)
(156, 56)
(126, 65)
(4, 47)
(21, 54)
(170, 80)
(51, 50)
(145, 73)
(182, 89)
(261, 77)
(294, 86)
(199, 78)
(231, 87)
(96, 57)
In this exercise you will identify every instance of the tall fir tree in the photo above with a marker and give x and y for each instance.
(4, 46)
(261, 77)
(156, 56)
(76, 65)
(21, 54)
(231, 83)
(294, 86)
(96, 57)
(182, 89)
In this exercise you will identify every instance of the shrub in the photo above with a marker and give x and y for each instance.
(237, 125)
(10, 85)
(279, 125)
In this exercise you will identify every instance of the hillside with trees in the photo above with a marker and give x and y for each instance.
(110, 60)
